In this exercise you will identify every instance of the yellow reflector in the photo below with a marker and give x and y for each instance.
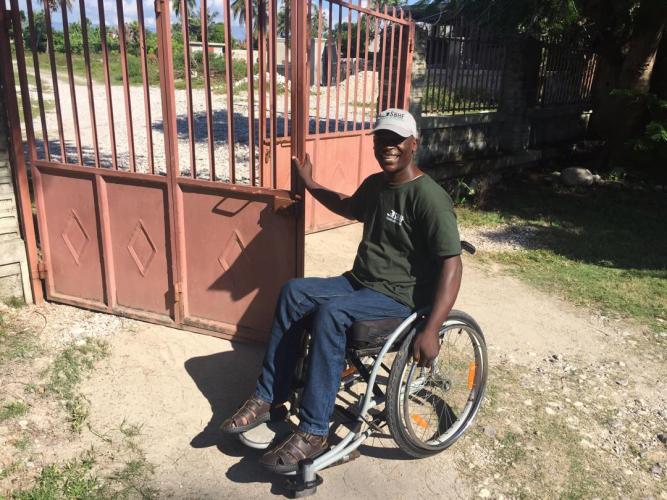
(420, 421)
(471, 375)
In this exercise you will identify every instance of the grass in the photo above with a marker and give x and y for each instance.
(15, 344)
(66, 373)
(598, 247)
(12, 410)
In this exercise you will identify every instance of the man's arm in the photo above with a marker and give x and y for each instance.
(336, 202)
(426, 345)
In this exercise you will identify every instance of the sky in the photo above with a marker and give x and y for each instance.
(130, 12)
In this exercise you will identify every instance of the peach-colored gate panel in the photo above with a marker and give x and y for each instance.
(138, 237)
(70, 242)
(340, 162)
(236, 258)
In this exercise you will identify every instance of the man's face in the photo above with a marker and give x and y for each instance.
(392, 151)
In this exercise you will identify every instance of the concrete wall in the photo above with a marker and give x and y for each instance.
(14, 278)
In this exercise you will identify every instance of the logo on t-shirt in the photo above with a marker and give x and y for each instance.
(395, 217)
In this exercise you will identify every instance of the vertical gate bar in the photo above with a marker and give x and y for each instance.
(273, 112)
(408, 65)
(107, 84)
(309, 47)
(104, 222)
(300, 100)
(347, 67)
(329, 55)
(363, 99)
(54, 78)
(89, 81)
(144, 79)
(250, 65)
(338, 29)
(383, 53)
(230, 92)
(486, 60)
(23, 79)
(16, 155)
(185, 32)
(203, 11)
(318, 64)
(391, 58)
(428, 58)
(70, 79)
(174, 208)
(38, 80)
(287, 69)
(261, 49)
(453, 69)
(399, 62)
(443, 87)
(460, 74)
(356, 71)
(375, 53)
(126, 84)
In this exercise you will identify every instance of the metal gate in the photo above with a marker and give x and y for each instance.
(172, 201)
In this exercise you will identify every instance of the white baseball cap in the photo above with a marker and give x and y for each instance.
(398, 121)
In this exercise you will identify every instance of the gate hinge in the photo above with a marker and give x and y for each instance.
(41, 270)
(178, 292)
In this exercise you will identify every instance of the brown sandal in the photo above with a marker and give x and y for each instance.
(300, 445)
(253, 412)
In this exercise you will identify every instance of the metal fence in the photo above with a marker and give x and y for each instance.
(464, 69)
(565, 76)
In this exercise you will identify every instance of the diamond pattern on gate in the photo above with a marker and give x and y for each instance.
(141, 248)
(75, 236)
(234, 248)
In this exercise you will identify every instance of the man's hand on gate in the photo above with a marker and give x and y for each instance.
(304, 169)
(426, 347)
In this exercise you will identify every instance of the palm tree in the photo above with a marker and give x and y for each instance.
(238, 9)
(176, 5)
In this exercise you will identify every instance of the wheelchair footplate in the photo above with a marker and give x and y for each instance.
(262, 436)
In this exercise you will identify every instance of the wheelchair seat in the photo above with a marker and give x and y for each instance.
(368, 336)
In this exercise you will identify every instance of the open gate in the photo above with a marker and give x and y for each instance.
(172, 201)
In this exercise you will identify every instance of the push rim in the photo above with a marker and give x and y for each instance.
(438, 403)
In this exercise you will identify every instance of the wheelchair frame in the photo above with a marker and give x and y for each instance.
(304, 482)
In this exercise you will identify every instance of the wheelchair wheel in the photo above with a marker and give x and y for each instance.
(428, 409)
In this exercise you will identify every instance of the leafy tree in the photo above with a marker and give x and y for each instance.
(625, 34)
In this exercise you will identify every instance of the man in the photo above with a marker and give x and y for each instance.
(409, 257)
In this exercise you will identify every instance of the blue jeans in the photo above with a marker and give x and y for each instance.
(334, 303)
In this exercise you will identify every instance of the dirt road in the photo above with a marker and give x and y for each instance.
(177, 383)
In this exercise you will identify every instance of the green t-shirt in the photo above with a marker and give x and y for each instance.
(406, 228)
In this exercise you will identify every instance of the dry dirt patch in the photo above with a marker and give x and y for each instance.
(575, 405)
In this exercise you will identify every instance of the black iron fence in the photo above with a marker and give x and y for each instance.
(565, 76)
(464, 69)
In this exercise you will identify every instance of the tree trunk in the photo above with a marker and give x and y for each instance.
(659, 77)
(622, 116)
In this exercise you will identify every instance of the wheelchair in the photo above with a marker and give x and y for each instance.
(425, 409)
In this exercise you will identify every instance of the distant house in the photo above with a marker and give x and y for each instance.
(213, 48)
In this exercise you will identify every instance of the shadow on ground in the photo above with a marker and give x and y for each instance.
(601, 225)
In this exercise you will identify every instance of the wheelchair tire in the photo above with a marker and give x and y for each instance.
(411, 390)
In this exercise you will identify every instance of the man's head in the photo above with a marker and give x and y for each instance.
(394, 139)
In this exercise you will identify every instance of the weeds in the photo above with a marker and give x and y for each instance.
(13, 410)
(65, 375)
